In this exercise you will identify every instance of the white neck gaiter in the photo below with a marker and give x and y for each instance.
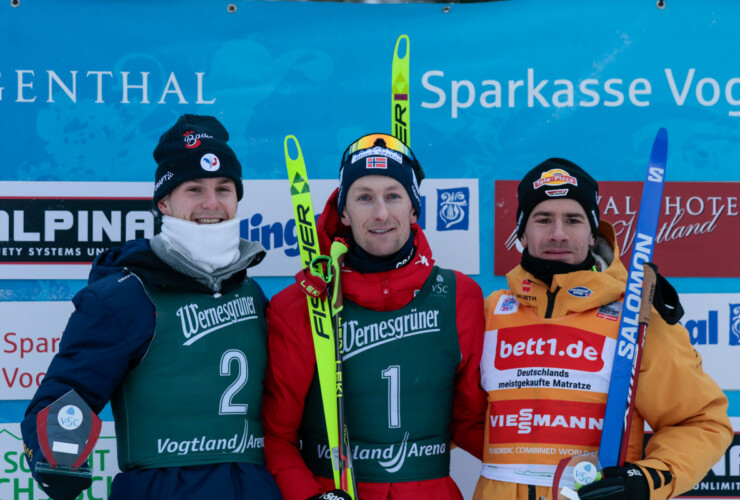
(209, 246)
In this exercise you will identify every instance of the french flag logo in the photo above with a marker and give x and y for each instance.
(376, 162)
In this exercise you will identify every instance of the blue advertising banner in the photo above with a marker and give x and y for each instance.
(87, 88)
(495, 88)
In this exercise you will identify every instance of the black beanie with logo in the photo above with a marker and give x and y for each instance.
(194, 148)
(384, 155)
(555, 179)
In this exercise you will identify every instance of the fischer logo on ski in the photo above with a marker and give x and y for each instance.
(400, 95)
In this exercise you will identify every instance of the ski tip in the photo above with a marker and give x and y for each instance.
(659, 153)
(291, 143)
(662, 135)
(405, 48)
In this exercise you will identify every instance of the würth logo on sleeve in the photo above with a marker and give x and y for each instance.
(376, 162)
(555, 177)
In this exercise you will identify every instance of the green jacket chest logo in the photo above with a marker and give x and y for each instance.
(362, 337)
(197, 321)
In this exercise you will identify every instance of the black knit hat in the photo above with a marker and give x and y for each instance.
(380, 154)
(195, 147)
(554, 179)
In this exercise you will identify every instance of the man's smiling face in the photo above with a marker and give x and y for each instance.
(379, 211)
(204, 201)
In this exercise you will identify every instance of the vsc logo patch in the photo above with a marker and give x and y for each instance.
(453, 209)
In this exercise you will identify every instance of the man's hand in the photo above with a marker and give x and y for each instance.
(625, 483)
(618, 483)
(60, 486)
(332, 495)
(666, 300)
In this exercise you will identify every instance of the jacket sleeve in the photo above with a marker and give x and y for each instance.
(470, 399)
(683, 405)
(290, 369)
(103, 339)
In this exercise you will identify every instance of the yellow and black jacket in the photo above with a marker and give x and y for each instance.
(546, 366)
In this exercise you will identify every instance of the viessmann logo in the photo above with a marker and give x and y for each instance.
(546, 421)
(549, 346)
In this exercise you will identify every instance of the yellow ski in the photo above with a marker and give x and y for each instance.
(400, 93)
(320, 316)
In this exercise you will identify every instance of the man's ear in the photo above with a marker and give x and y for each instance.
(345, 218)
(163, 205)
(523, 241)
(592, 240)
(414, 216)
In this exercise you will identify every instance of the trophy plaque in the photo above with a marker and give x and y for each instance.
(67, 430)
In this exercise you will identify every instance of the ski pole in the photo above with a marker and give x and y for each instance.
(646, 304)
(346, 472)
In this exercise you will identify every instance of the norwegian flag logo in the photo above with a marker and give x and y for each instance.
(376, 162)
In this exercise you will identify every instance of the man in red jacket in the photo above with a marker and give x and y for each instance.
(413, 335)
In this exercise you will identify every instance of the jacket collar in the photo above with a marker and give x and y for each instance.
(576, 291)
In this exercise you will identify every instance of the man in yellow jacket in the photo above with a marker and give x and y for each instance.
(548, 354)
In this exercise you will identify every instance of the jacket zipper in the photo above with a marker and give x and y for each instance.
(532, 493)
(551, 302)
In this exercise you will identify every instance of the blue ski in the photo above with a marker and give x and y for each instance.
(621, 393)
